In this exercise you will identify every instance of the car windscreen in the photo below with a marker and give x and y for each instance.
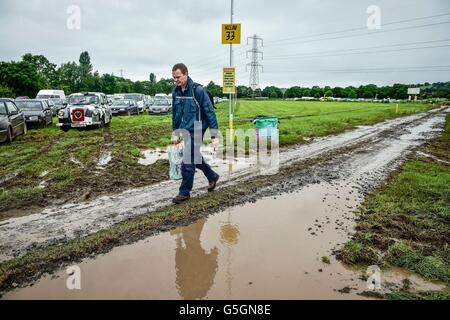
(29, 105)
(161, 102)
(48, 96)
(3, 109)
(83, 100)
(122, 103)
(57, 101)
(135, 97)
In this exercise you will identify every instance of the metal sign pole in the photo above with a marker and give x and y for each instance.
(231, 116)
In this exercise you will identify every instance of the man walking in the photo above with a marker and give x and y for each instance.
(192, 114)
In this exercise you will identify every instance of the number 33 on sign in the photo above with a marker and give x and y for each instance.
(231, 33)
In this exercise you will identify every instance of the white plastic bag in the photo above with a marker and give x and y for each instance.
(175, 155)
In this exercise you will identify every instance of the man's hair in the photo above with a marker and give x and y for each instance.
(181, 66)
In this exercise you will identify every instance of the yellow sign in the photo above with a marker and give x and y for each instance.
(229, 80)
(231, 33)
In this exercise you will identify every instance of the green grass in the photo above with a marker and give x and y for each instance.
(326, 260)
(407, 223)
(427, 295)
(299, 119)
(52, 150)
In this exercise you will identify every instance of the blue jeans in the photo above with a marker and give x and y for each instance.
(188, 169)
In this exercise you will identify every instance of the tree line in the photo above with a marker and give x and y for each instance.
(36, 72)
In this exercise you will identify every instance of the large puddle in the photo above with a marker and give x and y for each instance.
(221, 164)
(270, 249)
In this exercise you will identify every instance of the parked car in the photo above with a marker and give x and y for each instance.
(138, 97)
(12, 121)
(160, 105)
(52, 106)
(85, 109)
(37, 111)
(59, 104)
(148, 101)
(128, 107)
(161, 95)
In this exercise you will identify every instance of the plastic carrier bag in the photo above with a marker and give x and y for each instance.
(175, 155)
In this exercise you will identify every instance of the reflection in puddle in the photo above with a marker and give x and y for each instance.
(195, 267)
(43, 174)
(42, 184)
(229, 234)
(223, 164)
(104, 159)
(151, 156)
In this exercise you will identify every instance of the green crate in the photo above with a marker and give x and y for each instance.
(262, 122)
(264, 126)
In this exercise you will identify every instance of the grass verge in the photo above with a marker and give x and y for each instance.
(406, 223)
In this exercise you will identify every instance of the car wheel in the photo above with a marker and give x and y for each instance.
(65, 128)
(129, 112)
(9, 136)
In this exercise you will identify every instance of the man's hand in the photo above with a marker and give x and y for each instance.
(215, 143)
(175, 139)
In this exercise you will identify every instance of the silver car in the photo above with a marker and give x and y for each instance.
(160, 106)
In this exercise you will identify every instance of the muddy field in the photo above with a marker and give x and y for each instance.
(256, 237)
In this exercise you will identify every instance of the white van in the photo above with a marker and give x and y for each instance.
(51, 94)
(58, 98)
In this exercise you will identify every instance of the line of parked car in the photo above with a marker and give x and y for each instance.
(17, 115)
(125, 103)
(79, 110)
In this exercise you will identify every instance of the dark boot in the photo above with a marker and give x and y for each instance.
(180, 198)
(212, 184)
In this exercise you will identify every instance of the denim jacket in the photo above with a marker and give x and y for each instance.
(185, 110)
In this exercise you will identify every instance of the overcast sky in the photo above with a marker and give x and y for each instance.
(306, 42)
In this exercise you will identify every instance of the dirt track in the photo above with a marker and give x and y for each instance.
(364, 156)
